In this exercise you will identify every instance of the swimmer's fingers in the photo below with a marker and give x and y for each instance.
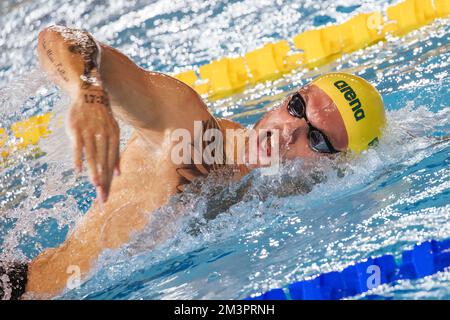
(107, 157)
(78, 152)
(117, 163)
(110, 164)
(117, 166)
(101, 156)
(89, 151)
(113, 155)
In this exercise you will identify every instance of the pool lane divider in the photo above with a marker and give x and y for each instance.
(312, 48)
(423, 260)
(226, 76)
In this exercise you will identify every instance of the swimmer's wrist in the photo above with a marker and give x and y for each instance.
(91, 80)
(80, 88)
(94, 95)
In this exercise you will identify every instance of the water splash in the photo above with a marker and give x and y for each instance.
(229, 240)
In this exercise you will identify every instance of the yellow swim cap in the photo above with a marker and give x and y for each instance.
(360, 106)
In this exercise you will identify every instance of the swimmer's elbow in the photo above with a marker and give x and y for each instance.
(56, 37)
(50, 34)
(71, 57)
(50, 47)
(48, 38)
(43, 34)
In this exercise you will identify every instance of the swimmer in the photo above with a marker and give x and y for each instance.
(335, 113)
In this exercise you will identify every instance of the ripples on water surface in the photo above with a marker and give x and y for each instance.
(389, 199)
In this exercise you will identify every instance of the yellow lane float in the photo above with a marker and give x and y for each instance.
(226, 76)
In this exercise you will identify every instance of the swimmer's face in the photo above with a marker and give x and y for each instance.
(321, 112)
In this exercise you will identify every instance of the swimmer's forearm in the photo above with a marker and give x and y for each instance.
(71, 57)
(146, 100)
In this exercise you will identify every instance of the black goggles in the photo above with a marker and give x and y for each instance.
(318, 141)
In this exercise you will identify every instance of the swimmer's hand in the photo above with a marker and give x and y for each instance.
(95, 134)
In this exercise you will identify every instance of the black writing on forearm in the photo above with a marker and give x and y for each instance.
(92, 98)
(80, 43)
(98, 98)
(58, 65)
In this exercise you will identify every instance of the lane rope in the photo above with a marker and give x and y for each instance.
(423, 260)
(226, 76)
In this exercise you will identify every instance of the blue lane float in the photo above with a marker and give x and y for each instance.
(423, 260)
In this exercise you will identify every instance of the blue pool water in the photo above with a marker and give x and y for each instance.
(272, 230)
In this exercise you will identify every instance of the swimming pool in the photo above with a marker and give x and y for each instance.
(387, 200)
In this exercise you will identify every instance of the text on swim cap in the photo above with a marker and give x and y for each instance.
(350, 96)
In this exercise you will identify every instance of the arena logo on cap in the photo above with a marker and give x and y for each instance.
(350, 96)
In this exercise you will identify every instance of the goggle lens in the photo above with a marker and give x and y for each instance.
(318, 141)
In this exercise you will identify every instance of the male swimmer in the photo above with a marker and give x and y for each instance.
(335, 113)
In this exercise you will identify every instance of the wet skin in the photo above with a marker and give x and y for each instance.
(321, 112)
(153, 104)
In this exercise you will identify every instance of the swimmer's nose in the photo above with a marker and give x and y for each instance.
(295, 125)
(297, 133)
